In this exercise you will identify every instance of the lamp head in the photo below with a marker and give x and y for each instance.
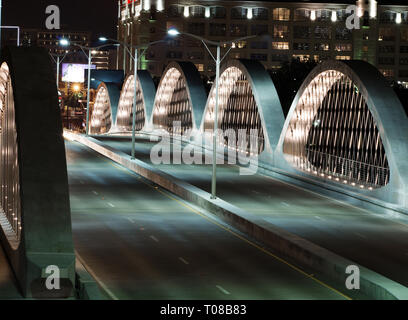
(173, 32)
(64, 42)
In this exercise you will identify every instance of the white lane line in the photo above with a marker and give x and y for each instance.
(95, 193)
(184, 261)
(360, 235)
(81, 182)
(223, 290)
(154, 238)
(90, 271)
(131, 220)
(320, 218)
(111, 205)
(286, 204)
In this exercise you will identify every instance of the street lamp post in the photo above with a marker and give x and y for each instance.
(136, 58)
(218, 59)
(60, 58)
(65, 42)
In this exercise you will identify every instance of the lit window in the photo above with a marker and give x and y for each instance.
(343, 58)
(280, 45)
(281, 14)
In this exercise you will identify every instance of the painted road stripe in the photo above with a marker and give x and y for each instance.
(223, 290)
(131, 220)
(154, 238)
(183, 260)
(286, 204)
(320, 218)
(110, 204)
(95, 193)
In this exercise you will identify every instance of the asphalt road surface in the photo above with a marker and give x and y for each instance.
(376, 241)
(141, 242)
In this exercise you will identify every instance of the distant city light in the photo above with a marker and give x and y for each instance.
(207, 12)
(313, 15)
(334, 16)
(64, 42)
(250, 13)
(103, 39)
(173, 32)
(399, 18)
(186, 12)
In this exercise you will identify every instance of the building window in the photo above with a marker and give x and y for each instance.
(386, 34)
(260, 13)
(301, 46)
(386, 49)
(323, 15)
(343, 33)
(404, 61)
(218, 29)
(404, 35)
(239, 45)
(322, 32)
(240, 30)
(196, 28)
(259, 57)
(343, 58)
(342, 15)
(388, 73)
(281, 14)
(301, 32)
(197, 11)
(259, 45)
(239, 13)
(259, 29)
(343, 47)
(322, 47)
(403, 73)
(218, 12)
(200, 67)
(175, 11)
(387, 17)
(386, 60)
(302, 15)
(301, 57)
(280, 31)
(280, 45)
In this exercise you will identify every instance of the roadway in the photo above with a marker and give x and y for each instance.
(376, 241)
(141, 242)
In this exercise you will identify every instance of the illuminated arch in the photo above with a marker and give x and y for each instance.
(35, 216)
(180, 98)
(105, 108)
(347, 127)
(146, 92)
(248, 100)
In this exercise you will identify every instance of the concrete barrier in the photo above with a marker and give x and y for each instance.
(302, 251)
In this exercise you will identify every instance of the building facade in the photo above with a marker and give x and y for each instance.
(304, 30)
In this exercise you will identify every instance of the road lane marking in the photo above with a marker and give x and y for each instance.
(134, 174)
(95, 193)
(111, 205)
(222, 290)
(320, 218)
(81, 182)
(286, 204)
(154, 238)
(90, 271)
(131, 220)
(184, 261)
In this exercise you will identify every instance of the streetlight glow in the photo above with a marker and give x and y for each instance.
(64, 42)
(173, 32)
(103, 39)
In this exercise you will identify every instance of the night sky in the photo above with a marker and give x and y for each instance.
(98, 16)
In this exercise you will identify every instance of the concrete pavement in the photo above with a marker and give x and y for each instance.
(141, 242)
(379, 242)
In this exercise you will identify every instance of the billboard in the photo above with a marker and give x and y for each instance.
(74, 72)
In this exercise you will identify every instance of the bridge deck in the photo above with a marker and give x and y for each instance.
(143, 243)
(376, 241)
